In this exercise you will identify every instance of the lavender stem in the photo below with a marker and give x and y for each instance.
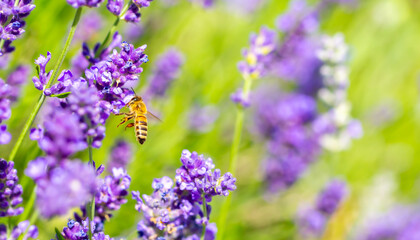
(50, 82)
(234, 154)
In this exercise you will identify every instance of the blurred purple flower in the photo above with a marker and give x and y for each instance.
(64, 187)
(115, 6)
(121, 154)
(133, 32)
(201, 119)
(5, 136)
(18, 230)
(331, 197)
(167, 69)
(312, 221)
(90, 23)
(16, 79)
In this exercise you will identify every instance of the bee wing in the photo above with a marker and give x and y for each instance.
(151, 115)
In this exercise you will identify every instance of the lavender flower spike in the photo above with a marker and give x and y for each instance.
(166, 71)
(18, 230)
(10, 190)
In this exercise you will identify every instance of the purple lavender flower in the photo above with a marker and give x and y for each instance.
(65, 79)
(115, 6)
(312, 221)
(197, 178)
(133, 14)
(166, 70)
(78, 230)
(174, 212)
(5, 136)
(66, 186)
(121, 154)
(286, 122)
(94, 57)
(10, 190)
(142, 3)
(87, 3)
(62, 134)
(239, 97)
(18, 230)
(11, 30)
(110, 76)
(16, 79)
(111, 193)
(261, 45)
(331, 197)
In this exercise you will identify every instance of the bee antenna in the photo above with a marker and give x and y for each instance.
(134, 91)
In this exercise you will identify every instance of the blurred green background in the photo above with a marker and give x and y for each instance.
(382, 168)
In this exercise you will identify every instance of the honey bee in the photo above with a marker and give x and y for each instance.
(138, 111)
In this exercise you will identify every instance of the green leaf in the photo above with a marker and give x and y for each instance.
(37, 69)
(59, 236)
(61, 95)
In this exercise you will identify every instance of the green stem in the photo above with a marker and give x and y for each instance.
(50, 82)
(111, 31)
(205, 214)
(234, 154)
(90, 208)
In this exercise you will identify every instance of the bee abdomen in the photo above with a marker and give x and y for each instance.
(141, 128)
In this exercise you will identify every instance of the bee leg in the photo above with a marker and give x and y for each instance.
(129, 126)
(124, 120)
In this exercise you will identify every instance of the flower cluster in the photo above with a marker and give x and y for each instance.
(10, 190)
(10, 198)
(261, 45)
(132, 14)
(78, 230)
(120, 155)
(9, 92)
(402, 222)
(174, 212)
(341, 127)
(110, 75)
(286, 121)
(12, 14)
(296, 121)
(62, 187)
(166, 70)
(41, 81)
(29, 232)
(111, 193)
(312, 221)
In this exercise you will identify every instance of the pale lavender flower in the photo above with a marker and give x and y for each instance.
(166, 70)
(331, 196)
(120, 156)
(312, 221)
(133, 32)
(239, 98)
(201, 119)
(16, 79)
(69, 185)
(89, 25)
(5, 136)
